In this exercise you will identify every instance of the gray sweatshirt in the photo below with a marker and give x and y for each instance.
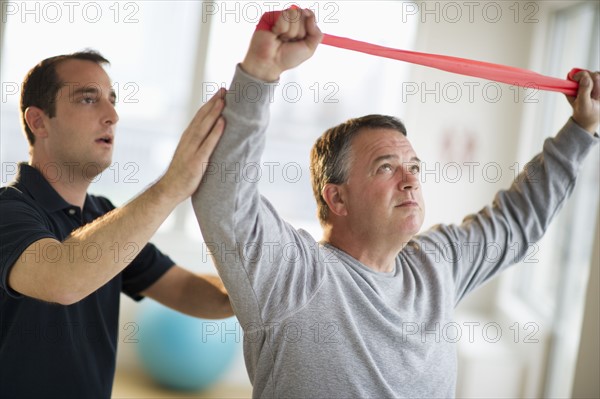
(319, 324)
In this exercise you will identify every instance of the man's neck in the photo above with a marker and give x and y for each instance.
(379, 256)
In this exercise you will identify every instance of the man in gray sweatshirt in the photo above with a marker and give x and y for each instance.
(337, 318)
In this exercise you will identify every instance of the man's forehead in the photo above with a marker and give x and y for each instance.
(371, 139)
(77, 73)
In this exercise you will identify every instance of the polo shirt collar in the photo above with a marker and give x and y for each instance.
(40, 189)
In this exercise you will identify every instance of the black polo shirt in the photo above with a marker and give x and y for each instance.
(49, 350)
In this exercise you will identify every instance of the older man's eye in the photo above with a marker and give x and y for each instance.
(385, 168)
(414, 169)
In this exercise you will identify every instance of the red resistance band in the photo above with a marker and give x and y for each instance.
(500, 73)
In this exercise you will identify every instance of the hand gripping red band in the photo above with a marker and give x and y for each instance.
(463, 66)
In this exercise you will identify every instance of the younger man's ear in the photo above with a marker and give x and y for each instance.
(36, 121)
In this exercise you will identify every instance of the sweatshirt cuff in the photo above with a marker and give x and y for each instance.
(570, 147)
(572, 139)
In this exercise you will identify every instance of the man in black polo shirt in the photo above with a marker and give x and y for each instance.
(62, 263)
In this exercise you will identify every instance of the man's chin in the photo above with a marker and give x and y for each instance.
(411, 227)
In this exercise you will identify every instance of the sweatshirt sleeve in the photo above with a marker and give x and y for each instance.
(268, 267)
(499, 235)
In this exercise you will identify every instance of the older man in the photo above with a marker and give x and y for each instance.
(336, 318)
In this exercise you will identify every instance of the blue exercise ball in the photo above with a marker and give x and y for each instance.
(183, 352)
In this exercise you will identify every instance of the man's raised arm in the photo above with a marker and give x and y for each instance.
(241, 230)
(500, 235)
